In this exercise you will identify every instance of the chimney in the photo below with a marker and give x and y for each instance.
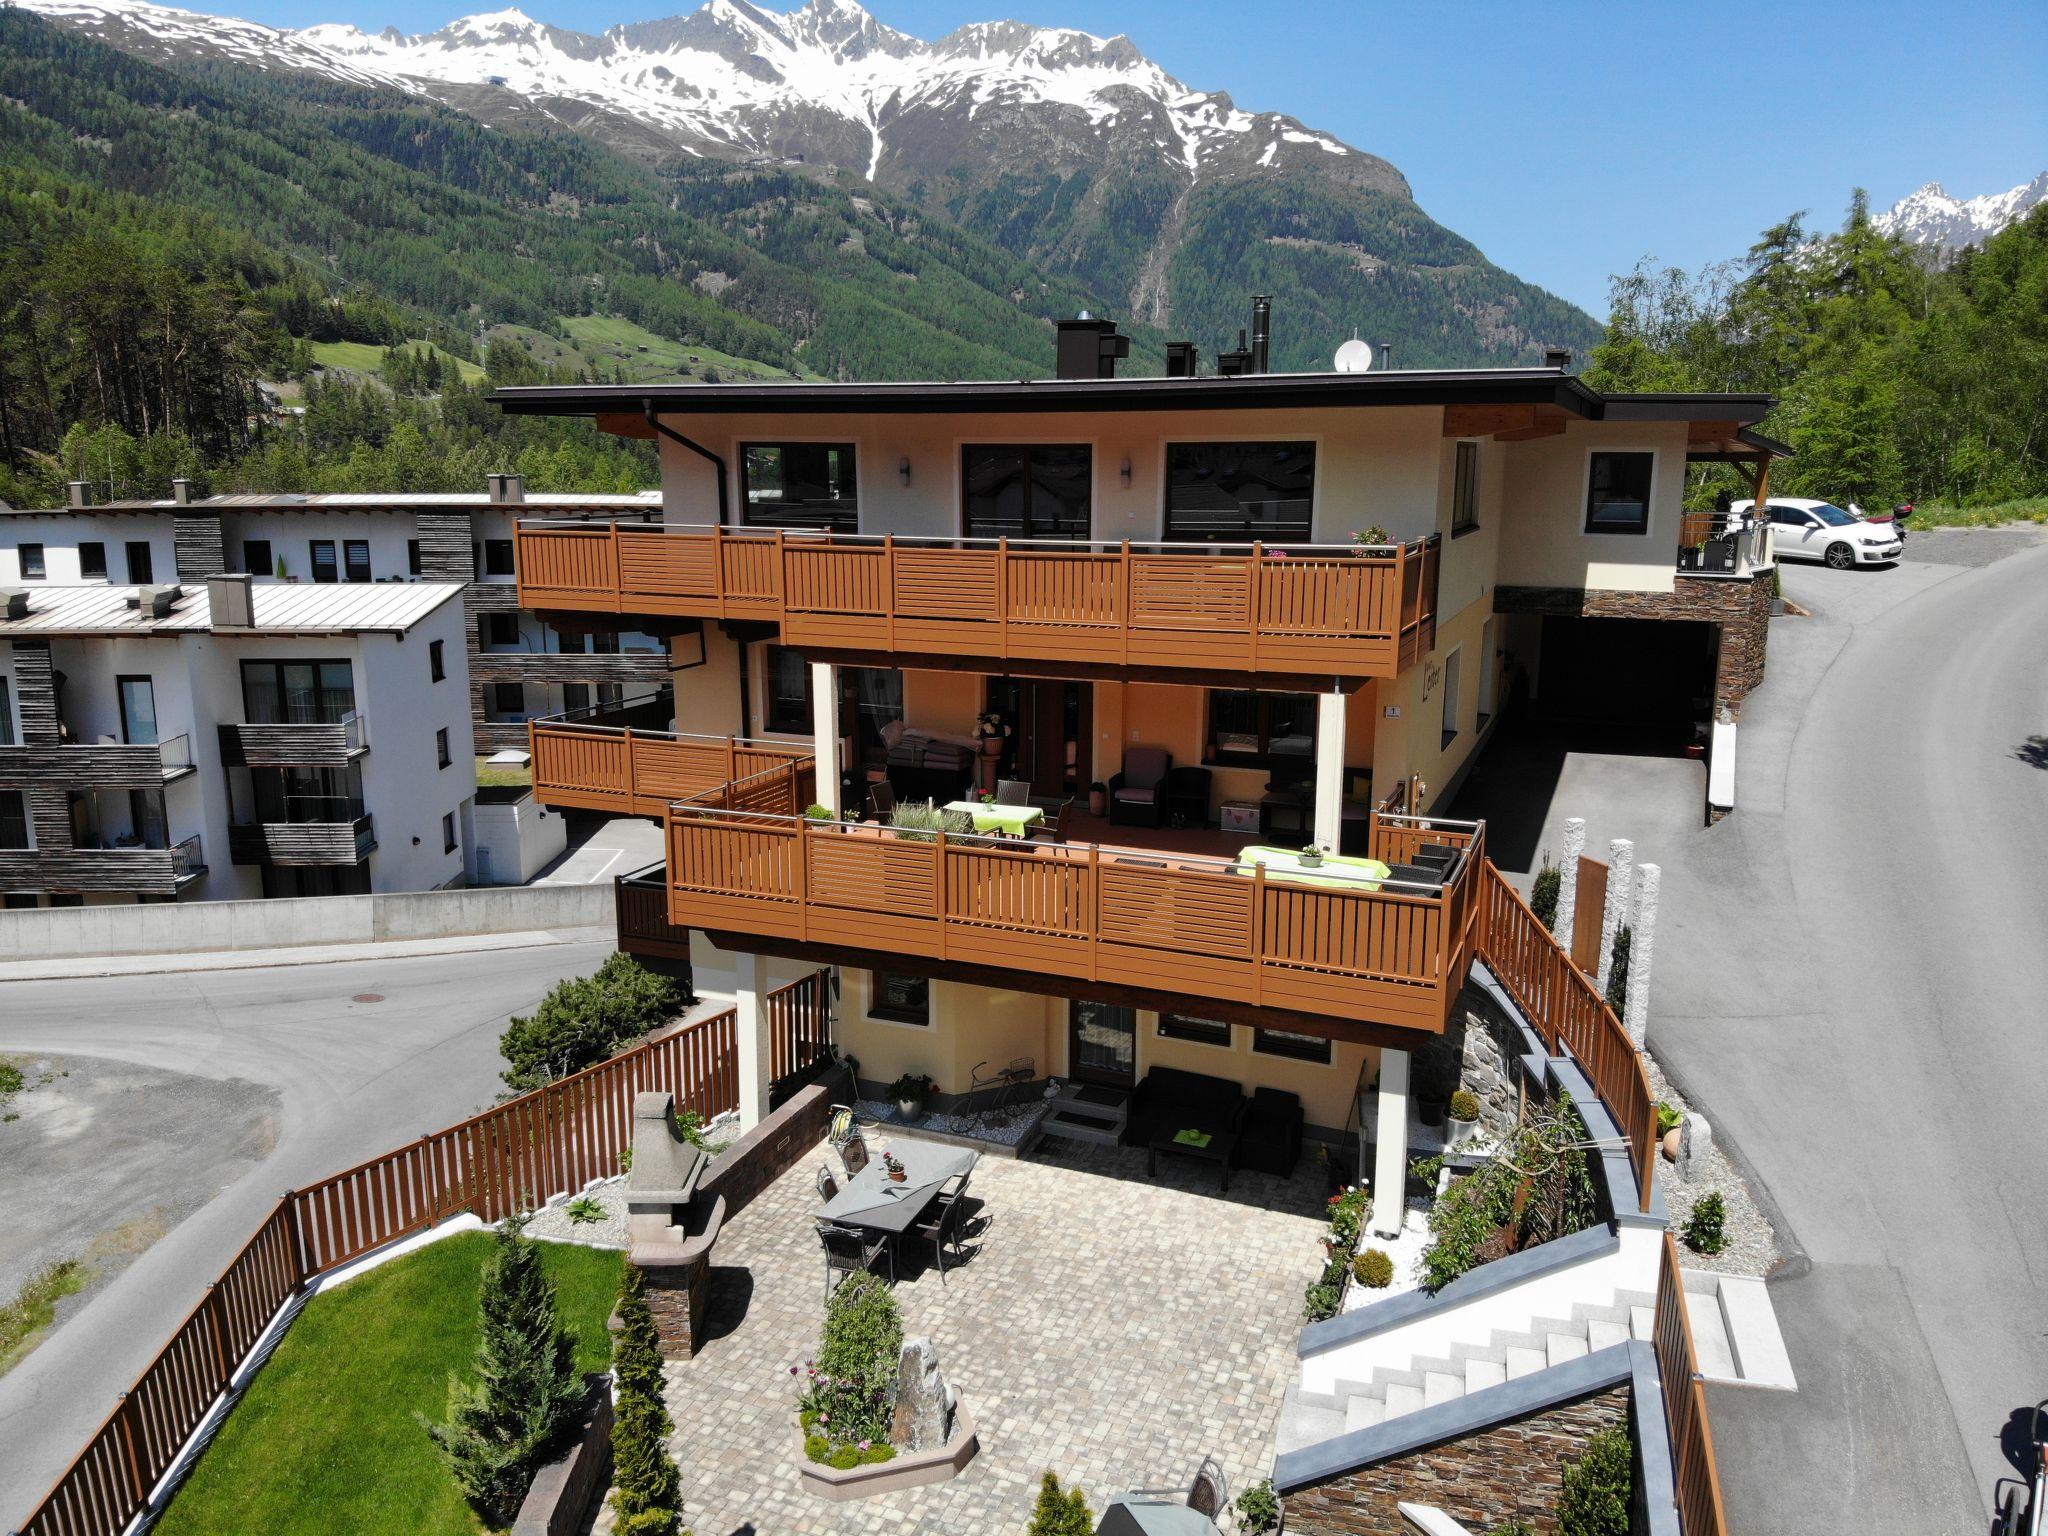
(156, 602)
(1262, 331)
(1089, 348)
(13, 602)
(78, 493)
(1232, 365)
(1181, 359)
(504, 490)
(230, 602)
(181, 492)
(1557, 357)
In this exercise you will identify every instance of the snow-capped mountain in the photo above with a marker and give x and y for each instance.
(1931, 217)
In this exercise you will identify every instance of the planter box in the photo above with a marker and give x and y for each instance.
(912, 1469)
(563, 1489)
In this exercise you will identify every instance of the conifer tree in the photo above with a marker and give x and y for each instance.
(1059, 1514)
(647, 1495)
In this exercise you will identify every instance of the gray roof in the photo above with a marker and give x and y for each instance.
(281, 608)
(351, 501)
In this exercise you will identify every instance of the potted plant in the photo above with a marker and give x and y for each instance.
(1258, 1509)
(1669, 1135)
(1098, 799)
(1373, 1269)
(1464, 1124)
(1436, 1079)
(1372, 539)
(893, 1168)
(912, 1092)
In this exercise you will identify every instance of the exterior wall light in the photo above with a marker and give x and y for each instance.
(903, 470)
(1124, 471)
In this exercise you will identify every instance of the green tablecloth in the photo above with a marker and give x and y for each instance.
(1339, 872)
(1013, 820)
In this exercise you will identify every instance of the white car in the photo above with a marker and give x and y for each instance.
(1804, 529)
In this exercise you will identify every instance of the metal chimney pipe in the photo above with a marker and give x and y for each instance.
(1557, 357)
(78, 493)
(181, 492)
(1262, 331)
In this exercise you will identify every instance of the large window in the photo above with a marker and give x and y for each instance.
(256, 557)
(138, 710)
(789, 692)
(1027, 490)
(800, 485)
(297, 692)
(33, 566)
(1184, 1026)
(1285, 1042)
(900, 999)
(871, 698)
(13, 819)
(322, 552)
(498, 557)
(1618, 492)
(141, 568)
(1465, 489)
(6, 715)
(1262, 730)
(502, 629)
(92, 560)
(356, 556)
(1233, 493)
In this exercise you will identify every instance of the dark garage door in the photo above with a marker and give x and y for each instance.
(1653, 673)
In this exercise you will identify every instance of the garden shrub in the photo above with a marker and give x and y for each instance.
(1536, 1188)
(1516, 1527)
(1594, 1500)
(1059, 1514)
(1258, 1508)
(1374, 1269)
(1543, 892)
(501, 1426)
(1617, 972)
(1347, 1210)
(849, 1386)
(585, 1019)
(1668, 1119)
(920, 821)
(1706, 1227)
(647, 1494)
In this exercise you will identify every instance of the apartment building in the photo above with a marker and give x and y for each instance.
(519, 668)
(231, 739)
(1196, 626)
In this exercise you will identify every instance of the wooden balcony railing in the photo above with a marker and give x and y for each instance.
(635, 772)
(1696, 1477)
(1318, 610)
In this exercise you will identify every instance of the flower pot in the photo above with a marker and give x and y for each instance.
(1671, 1142)
(1432, 1111)
(1457, 1132)
(1098, 800)
(897, 1176)
(910, 1109)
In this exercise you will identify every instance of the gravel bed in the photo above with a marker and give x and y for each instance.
(999, 1127)
(1752, 1245)
(553, 1224)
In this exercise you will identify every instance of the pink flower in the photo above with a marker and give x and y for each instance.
(824, 1418)
(867, 1445)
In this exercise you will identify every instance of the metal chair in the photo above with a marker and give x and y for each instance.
(1209, 1494)
(1013, 791)
(849, 1250)
(882, 799)
(943, 1221)
(853, 1152)
(828, 1187)
(1054, 828)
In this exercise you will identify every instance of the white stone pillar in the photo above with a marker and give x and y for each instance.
(1568, 881)
(1390, 1157)
(1621, 877)
(1641, 946)
(751, 1038)
(1329, 827)
(825, 732)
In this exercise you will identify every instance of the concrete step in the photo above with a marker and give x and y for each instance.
(1403, 1399)
(1362, 1412)
(1753, 1335)
(1307, 1418)
(1523, 1361)
(1481, 1374)
(1561, 1347)
(1642, 1322)
(1605, 1335)
(1441, 1387)
(1711, 1349)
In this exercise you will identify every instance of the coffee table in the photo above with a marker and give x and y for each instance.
(1221, 1145)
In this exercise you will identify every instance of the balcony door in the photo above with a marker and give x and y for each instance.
(1102, 1043)
(1027, 490)
(1051, 724)
(138, 711)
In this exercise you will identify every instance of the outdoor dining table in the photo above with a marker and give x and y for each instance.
(875, 1202)
(1337, 871)
(1148, 1515)
(1003, 820)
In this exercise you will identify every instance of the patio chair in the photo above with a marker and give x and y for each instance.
(881, 799)
(942, 1223)
(828, 1187)
(849, 1250)
(1438, 853)
(1416, 874)
(1054, 828)
(1013, 791)
(853, 1152)
(1209, 1494)
(1137, 796)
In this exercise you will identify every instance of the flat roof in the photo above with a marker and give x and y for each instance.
(1447, 386)
(279, 608)
(352, 501)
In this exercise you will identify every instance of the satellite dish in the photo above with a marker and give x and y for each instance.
(1355, 356)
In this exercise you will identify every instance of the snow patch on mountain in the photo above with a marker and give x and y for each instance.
(1932, 217)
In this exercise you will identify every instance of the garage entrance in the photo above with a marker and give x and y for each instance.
(1654, 675)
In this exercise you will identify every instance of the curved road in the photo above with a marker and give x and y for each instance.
(1854, 982)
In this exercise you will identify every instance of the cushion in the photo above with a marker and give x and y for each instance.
(1137, 796)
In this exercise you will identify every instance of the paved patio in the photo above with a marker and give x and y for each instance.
(1109, 1327)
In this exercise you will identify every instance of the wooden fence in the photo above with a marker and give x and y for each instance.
(638, 772)
(1568, 1011)
(1696, 1478)
(507, 1159)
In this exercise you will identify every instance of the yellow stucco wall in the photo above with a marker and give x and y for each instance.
(1543, 542)
(1414, 743)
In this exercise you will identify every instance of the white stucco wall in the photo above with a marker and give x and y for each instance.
(1543, 538)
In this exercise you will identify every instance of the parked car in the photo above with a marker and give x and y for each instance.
(1805, 529)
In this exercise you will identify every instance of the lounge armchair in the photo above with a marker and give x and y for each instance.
(1137, 796)
(1269, 1136)
(1416, 874)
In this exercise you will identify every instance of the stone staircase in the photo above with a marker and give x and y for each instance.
(1309, 1418)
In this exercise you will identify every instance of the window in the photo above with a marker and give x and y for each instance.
(1259, 730)
(355, 554)
(448, 833)
(502, 629)
(1027, 490)
(498, 557)
(1453, 665)
(437, 666)
(509, 698)
(141, 569)
(256, 558)
(872, 698)
(575, 697)
(138, 710)
(1285, 1042)
(32, 565)
(298, 692)
(1465, 489)
(323, 560)
(441, 757)
(900, 999)
(789, 692)
(1618, 492)
(14, 819)
(6, 715)
(1790, 517)
(800, 485)
(1183, 1026)
(92, 561)
(1235, 492)
(412, 557)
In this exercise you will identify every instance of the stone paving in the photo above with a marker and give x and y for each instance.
(1110, 1327)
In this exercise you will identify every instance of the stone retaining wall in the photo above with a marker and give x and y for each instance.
(559, 1499)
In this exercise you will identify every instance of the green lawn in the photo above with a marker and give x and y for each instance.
(364, 357)
(2032, 509)
(325, 1443)
(606, 340)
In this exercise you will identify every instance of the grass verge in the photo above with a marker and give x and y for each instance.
(1933, 514)
(24, 1320)
(325, 1443)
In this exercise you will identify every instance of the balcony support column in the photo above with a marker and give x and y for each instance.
(1330, 712)
(825, 732)
(1390, 1156)
(752, 1038)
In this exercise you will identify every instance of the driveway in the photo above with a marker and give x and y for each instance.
(602, 848)
(341, 1060)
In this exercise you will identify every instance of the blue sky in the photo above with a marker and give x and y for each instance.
(1566, 140)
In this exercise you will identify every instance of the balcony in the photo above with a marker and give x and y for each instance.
(1151, 927)
(1071, 608)
(138, 871)
(1710, 544)
(350, 839)
(316, 744)
(596, 760)
(98, 765)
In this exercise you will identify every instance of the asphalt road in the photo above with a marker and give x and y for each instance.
(1851, 979)
(351, 1077)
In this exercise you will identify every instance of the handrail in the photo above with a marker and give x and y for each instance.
(1239, 547)
(1695, 1476)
